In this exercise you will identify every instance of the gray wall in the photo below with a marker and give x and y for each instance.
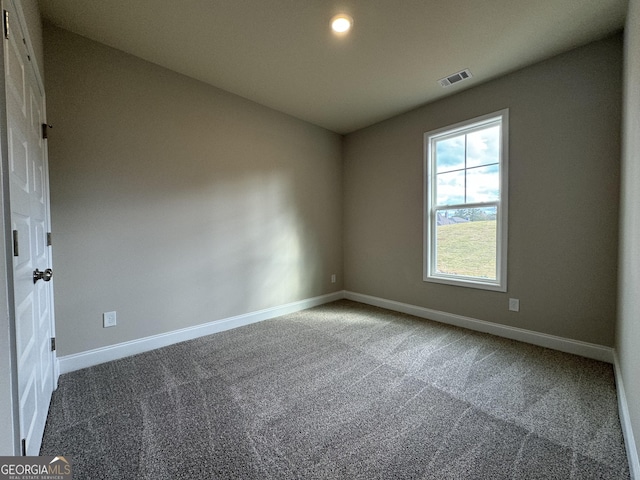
(563, 198)
(175, 203)
(628, 331)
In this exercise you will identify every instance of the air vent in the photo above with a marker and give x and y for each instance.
(455, 78)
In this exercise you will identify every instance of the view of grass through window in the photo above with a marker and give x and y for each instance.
(466, 242)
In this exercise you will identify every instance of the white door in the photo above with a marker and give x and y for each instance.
(29, 198)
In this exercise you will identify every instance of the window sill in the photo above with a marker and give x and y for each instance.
(467, 283)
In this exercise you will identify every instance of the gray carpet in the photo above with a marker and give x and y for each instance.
(343, 390)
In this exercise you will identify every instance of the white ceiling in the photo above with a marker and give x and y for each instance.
(282, 54)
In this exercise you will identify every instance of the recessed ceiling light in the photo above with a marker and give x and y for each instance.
(341, 23)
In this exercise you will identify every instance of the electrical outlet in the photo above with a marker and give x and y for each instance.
(109, 319)
(514, 304)
(333, 278)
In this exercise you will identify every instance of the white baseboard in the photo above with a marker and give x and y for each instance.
(69, 363)
(77, 361)
(589, 350)
(56, 371)
(625, 422)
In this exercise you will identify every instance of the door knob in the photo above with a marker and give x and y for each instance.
(46, 275)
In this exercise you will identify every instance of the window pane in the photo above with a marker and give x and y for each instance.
(450, 188)
(466, 242)
(450, 154)
(466, 203)
(483, 147)
(483, 184)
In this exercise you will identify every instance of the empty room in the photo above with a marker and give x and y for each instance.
(317, 239)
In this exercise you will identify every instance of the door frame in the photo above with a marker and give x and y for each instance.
(10, 439)
(9, 401)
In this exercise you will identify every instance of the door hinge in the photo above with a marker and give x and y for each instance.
(16, 252)
(53, 344)
(5, 22)
(45, 130)
(48, 239)
(24, 447)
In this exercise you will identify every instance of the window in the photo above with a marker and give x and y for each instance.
(466, 203)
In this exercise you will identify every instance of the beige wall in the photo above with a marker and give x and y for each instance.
(563, 200)
(175, 203)
(628, 328)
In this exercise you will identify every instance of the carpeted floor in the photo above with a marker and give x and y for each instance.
(341, 391)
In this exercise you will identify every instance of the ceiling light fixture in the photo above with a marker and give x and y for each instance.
(341, 23)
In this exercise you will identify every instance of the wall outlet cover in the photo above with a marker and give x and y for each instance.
(109, 319)
(514, 304)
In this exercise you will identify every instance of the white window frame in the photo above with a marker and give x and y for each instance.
(430, 206)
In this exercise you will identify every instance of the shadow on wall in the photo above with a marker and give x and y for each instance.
(168, 261)
(255, 244)
(235, 248)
